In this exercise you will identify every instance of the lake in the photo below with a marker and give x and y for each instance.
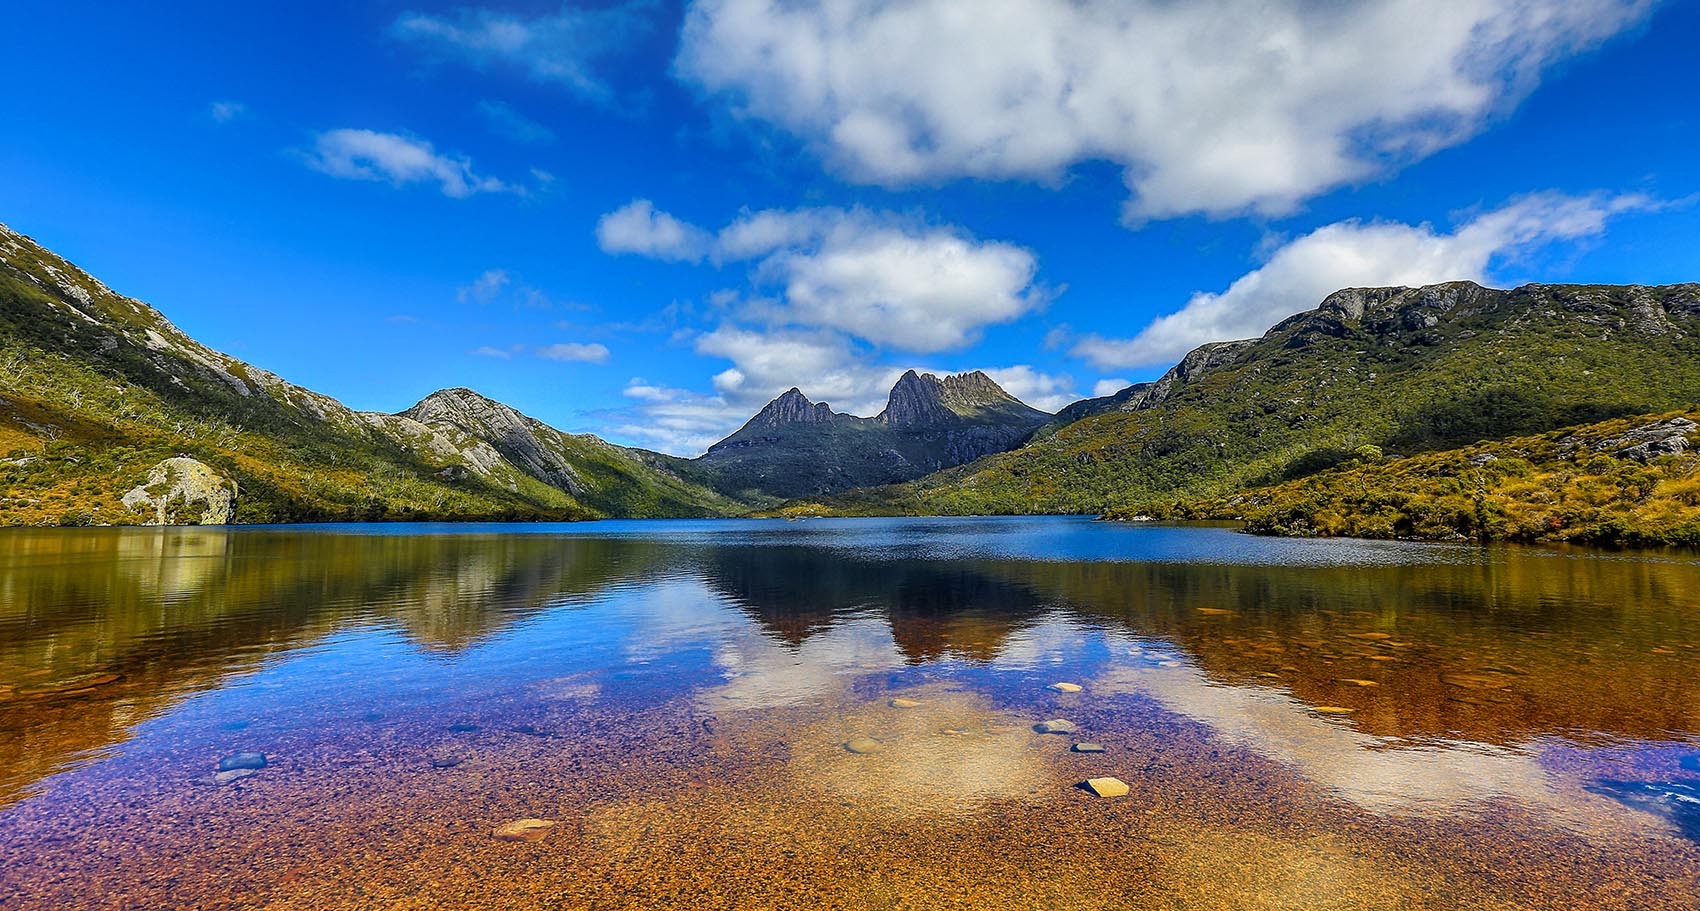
(841, 714)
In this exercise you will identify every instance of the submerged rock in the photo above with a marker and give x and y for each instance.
(1065, 687)
(864, 745)
(1056, 726)
(234, 775)
(1107, 787)
(1331, 710)
(1088, 748)
(528, 829)
(242, 761)
(901, 703)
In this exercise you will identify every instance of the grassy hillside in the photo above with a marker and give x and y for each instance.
(95, 388)
(1632, 481)
(1403, 370)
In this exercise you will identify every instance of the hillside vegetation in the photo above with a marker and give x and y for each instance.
(1405, 370)
(1633, 481)
(96, 389)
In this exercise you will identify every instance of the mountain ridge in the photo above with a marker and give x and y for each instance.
(794, 446)
(96, 388)
(1407, 369)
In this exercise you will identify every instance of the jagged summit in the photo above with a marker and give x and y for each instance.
(921, 399)
(794, 447)
(916, 400)
(792, 407)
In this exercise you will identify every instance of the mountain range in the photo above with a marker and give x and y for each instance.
(103, 404)
(97, 389)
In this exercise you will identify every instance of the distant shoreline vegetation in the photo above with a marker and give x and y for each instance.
(111, 415)
(1632, 482)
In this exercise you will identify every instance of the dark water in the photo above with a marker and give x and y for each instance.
(1301, 724)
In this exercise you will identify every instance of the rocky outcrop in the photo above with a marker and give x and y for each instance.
(1641, 444)
(521, 440)
(184, 491)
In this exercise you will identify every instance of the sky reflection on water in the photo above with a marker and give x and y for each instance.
(1489, 701)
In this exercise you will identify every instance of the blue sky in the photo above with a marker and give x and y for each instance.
(645, 219)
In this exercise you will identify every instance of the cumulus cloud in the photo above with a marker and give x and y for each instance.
(398, 160)
(638, 227)
(589, 353)
(1218, 107)
(1298, 275)
(566, 47)
(885, 279)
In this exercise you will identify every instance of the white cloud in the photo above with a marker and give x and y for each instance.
(565, 47)
(226, 111)
(589, 353)
(826, 365)
(1215, 107)
(490, 351)
(1359, 254)
(1109, 386)
(396, 159)
(485, 288)
(1044, 391)
(517, 127)
(915, 289)
(637, 227)
(884, 279)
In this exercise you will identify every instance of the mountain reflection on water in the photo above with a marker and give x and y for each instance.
(1466, 688)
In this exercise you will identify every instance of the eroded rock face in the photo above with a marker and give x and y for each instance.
(183, 491)
(1642, 444)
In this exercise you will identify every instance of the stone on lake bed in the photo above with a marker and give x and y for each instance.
(1088, 748)
(1065, 687)
(901, 703)
(242, 761)
(528, 829)
(1354, 681)
(1331, 710)
(231, 775)
(863, 745)
(1056, 726)
(1107, 787)
(463, 728)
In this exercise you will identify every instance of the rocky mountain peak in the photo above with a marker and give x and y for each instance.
(792, 407)
(466, 409)
(917, 399)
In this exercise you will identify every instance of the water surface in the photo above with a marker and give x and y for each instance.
(1302, 724)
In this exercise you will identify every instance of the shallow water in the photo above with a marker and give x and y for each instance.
(1523, 727)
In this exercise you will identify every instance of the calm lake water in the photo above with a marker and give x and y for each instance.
(1302, 724)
